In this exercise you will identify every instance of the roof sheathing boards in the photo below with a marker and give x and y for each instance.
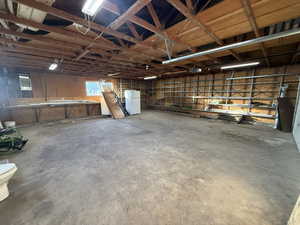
(35, 15)
(6, 5)
(225, 19)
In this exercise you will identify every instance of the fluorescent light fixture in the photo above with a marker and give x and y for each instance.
(53, 66)
(24, 77)
(150, 78)
(113, 74)
(195, 70)
(240, 65)
(90, 7)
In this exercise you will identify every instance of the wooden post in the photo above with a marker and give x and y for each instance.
(197, 100)
(251, 91)
(229, 87)
(184, 90)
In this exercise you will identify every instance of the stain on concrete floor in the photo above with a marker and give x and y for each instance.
(153, 169)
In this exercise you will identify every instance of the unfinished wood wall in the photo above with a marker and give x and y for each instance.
(47, 87)
(227, 92)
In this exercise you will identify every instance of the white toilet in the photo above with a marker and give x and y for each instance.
(6, 172)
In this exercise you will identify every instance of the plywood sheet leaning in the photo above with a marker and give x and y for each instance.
(113, 105)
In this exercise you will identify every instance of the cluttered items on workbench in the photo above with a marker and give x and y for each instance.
(11, 140)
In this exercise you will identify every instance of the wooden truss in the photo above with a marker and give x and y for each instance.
(93, 53)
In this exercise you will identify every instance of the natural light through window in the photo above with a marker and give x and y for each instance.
(92, 88)
(95, 88)
(25, 82)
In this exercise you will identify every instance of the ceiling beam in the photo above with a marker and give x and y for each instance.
(78, 20)
(41, 64)
(30, 51)
(133, 31)
(5, 25)
(60, 53)
(154, 15)
(32, 69)
(143, 23)
(185, 11)
(109, 6)
(45, 53)
(75, 19)
(62, 14)
(42, 38)
(163, 34)
(19, 55)
(190, 5)
(251, 18)
(36, 53)
(134, 9)
(70, 34)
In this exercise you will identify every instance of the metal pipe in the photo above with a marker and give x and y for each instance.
(236, 45)
(264, 76)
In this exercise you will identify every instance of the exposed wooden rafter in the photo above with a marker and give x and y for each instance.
(190, 5)
(186, 12)
(41, 38)
(75, 19)
(78, 20)
(60, 53)
(70, 34)
(109, 48)
(109, 6)
(135, 8)
(130, 13)
(143, 23)
(134, 31)
(250, 15)
(154, 15)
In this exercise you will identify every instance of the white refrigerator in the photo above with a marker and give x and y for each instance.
(133, 101)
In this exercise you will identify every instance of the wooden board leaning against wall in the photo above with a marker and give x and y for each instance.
(235, 93)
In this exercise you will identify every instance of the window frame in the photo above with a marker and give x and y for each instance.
(101, 85)
(27, 77)
(87, 91)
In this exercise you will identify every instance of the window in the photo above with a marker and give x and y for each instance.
(95, 88)
(92, 88)
(25, 82)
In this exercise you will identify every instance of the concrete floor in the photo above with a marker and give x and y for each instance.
(156, 168)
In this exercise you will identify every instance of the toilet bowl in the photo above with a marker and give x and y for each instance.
(6, 172)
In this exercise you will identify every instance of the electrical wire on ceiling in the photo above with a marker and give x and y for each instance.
(80, 28)
(169, 47)
(88, 28)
